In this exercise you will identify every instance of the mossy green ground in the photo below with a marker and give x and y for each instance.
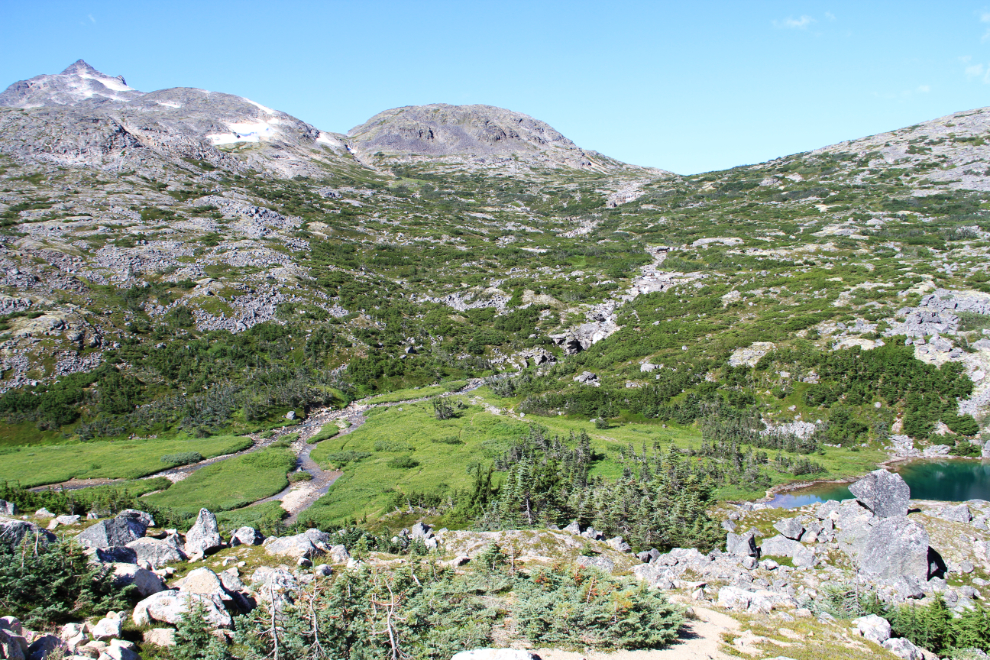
(120, 459)
(369, 484)
(235, 482)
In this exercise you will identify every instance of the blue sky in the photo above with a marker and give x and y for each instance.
(688, 87)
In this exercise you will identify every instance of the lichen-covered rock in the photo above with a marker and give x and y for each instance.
(884, 493)
(600, 562)
(169, 607)
(741, 545)
(159, 637)
(7, 508)
(157, 552)
(247, 536)
(896, 547)
(111, 533)
(790, 528)
(655, 576)
(903, 648)
(874, 628)
(958, 513)
(140, 517)
(204, 536)
(780, 546)
(144, 581)
(12, 646)
(108, 627)
(205, 582)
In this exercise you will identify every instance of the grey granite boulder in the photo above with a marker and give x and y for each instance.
(896, 547)
(903, 648)
(158, 552)
(741, 545)
(308, 545)
(7, 508)
(204, 536)
(144, 581)
(958, 513)
(140, 517)
(656, 576)
(874, 628)
(790, 527)
(170, 606)
(111, 533)
(13, 532)
(247, 536)
(600, 562)
(780, 546)
(884, 493)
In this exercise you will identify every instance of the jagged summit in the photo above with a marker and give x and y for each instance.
(79, 83)
(480, 133)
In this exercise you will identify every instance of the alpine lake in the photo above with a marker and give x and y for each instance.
(945, 480)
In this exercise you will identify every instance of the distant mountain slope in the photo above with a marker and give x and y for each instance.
(951, 150)
(482, 134)
(84, 117)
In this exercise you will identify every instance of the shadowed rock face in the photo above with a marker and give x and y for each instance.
(465, 130)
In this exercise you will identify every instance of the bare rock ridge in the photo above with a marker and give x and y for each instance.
(482, 133)
(78, 83)
(84, 117)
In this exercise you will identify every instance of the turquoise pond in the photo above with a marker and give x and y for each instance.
(951, 480)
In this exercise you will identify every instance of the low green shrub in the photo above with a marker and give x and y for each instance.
(182, 458)
(403, 462)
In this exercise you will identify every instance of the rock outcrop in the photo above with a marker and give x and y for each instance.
(204, 536)
(884, 493)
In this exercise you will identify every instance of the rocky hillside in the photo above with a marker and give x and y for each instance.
(478, 134)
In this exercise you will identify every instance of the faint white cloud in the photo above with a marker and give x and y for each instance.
(974, 71)
(830, 16)
(790, 23)
(92, 20)
(965, 59)
(923, 89)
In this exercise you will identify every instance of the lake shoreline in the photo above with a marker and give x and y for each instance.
(782, 489)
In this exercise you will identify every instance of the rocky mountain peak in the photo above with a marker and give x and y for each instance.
(78, 84)
(480, 133)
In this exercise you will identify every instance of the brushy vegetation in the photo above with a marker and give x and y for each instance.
(120, 459)
(423, 611)
(44, 584)
(230, 484)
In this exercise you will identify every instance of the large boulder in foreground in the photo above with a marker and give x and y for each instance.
(884, 493)
(169, 607)
(896, 547)
(203, 537)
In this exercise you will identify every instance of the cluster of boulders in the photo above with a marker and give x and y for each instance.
(77, 641)
(889, 551)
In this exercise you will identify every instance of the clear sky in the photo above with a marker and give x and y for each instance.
(686, 86)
